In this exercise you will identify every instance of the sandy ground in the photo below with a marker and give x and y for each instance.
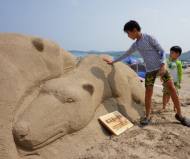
(165, 138)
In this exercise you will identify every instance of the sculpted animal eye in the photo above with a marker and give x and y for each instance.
(69, 100)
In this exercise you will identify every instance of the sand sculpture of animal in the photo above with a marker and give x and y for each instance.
(46, 95)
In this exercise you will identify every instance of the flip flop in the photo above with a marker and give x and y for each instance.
(184, 120)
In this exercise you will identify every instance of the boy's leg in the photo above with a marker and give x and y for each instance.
(148, 100)
(149, 83)
(165, 100)
(169, 82)
(167, 79)
(177, 86)
(166, 96)
(185, 121)
(174, 96)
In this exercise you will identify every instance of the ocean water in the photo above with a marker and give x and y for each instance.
(135, 58)
(133, 61)
(79, 54)
(85, 53)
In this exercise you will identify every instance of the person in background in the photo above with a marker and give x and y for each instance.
(175, 69)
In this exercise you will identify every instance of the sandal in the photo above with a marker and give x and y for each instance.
(184, 120)
(145, 121)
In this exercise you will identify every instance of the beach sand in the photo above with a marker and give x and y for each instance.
(52, 111)
(165, 138)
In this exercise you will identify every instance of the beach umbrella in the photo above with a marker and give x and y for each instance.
(130, 60)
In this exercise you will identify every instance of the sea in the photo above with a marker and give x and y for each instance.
(113, 54)
(134, 61)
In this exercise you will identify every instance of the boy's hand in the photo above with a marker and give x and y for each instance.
(110, 62)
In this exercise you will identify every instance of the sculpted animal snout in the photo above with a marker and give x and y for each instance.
(21, 130)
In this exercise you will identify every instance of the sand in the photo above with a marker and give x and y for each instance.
(50, 104)
(165, 138)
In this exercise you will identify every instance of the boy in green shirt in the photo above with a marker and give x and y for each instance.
(175, 70)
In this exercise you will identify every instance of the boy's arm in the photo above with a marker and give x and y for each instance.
(158, 47)
(126, 54)
(180, 71)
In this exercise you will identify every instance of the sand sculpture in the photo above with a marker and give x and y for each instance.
(47, 93)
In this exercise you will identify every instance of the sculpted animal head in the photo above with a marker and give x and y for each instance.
(64, 105)
(25, 62)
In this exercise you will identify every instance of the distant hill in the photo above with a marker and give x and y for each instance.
(185, 56)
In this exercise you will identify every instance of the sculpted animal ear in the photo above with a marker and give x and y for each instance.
(38, 44)
(89, 88)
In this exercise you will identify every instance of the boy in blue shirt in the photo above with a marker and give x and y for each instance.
(154, 58)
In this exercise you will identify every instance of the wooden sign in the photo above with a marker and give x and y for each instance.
(116, 122)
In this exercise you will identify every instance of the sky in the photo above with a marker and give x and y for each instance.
(98, 24)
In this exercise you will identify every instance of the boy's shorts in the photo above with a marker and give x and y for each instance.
(166, 90)
(150, 77)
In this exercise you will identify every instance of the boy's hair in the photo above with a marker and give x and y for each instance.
(129, 26)
(176, 49)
